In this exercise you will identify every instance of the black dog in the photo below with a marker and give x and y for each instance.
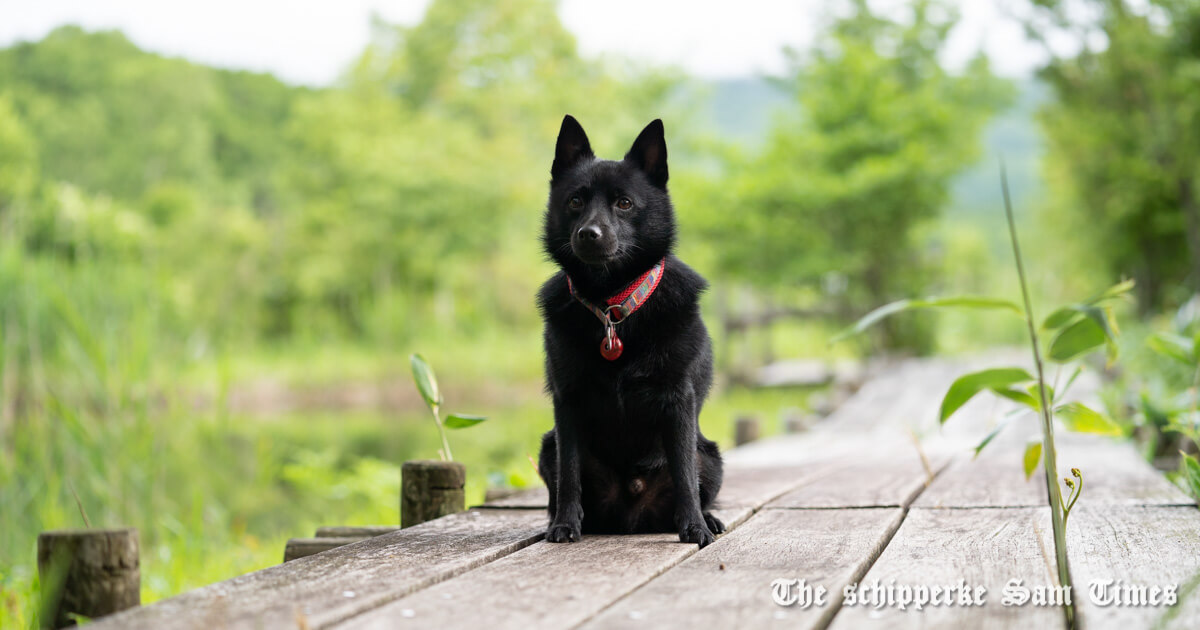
(626, 454)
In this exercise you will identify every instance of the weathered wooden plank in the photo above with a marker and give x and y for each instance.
(743, 486)
(545, 585)
(752, 487)
(524, 500)
(866, 480)
(297, 548)
(316, 591)
(729, 583)
(1133, 546)
(352, 531)
(1114, 474)
(982, 548)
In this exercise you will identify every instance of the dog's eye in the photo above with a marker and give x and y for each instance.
(624, 203)
(575, 203)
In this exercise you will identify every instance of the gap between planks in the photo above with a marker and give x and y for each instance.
(735, 516)
(835, 604)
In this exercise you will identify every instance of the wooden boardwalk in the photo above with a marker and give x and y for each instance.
(852, 501)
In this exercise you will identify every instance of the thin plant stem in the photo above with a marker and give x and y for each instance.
(1049, 458)
(79, 504)
(437, 419)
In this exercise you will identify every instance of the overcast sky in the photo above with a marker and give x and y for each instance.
(310, 42)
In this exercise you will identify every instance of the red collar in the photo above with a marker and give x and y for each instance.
(620, 306)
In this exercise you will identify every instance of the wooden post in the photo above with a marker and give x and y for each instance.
(93, 573)
(745, 430)
(430, 489)
(304, 547)
(796, 421)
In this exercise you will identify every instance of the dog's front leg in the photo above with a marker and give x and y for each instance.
(680, 442)
(568, 517)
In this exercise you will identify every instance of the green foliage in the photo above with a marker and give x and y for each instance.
(967, 386)
(1124, 141)
(1083, 419)
(1191, 474)
(427, 384)
(1180, 414)
(866, 159)
(1031, 458)
(1084, 328)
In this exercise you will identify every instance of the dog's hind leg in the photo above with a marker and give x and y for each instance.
(710, 469)
(548, 467)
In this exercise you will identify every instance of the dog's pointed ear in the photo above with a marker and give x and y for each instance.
(649, 153)
(571, 147)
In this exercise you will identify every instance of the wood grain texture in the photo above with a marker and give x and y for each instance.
(431, 489)
(89, 572)
(982, 547)
(534, 498)
(545, 585)
(743, 486)
(1114, 474)
(728, 584)
(297, 548)
(864, 480)
(1140, 546)
(350, 531)
(322, 589)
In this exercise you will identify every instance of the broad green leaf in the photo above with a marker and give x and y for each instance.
(1191, 472)
(426, 381)
(1076, 340)
(962, 301)
(1173, 346)
(1083, 419)
(1118, 290)
(992, 435)
(1059, 318)
(966, 386)
(1069, 314)
(462, 421)
(1033, 455)
(1019, 396)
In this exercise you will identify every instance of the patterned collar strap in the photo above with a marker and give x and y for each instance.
(623, 304)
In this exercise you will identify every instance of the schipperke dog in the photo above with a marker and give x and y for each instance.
(628, 359)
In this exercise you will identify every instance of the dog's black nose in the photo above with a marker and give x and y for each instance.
(590, 232)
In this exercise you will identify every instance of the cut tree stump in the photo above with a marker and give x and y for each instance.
(91, 573)
(430, 489)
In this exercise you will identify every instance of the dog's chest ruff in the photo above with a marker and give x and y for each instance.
(621, 306)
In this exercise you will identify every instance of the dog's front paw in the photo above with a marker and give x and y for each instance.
(697, 533)
(563, 532)
(714, 524)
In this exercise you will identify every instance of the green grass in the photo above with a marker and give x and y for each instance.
(215, 495)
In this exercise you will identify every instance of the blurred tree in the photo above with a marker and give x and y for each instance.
(844, 184)
(18, 161)
(1124, 138)
(113, 119)
(423, 178)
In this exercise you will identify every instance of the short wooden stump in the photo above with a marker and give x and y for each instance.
(92, 573)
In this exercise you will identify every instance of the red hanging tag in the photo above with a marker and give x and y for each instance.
(611, 346)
